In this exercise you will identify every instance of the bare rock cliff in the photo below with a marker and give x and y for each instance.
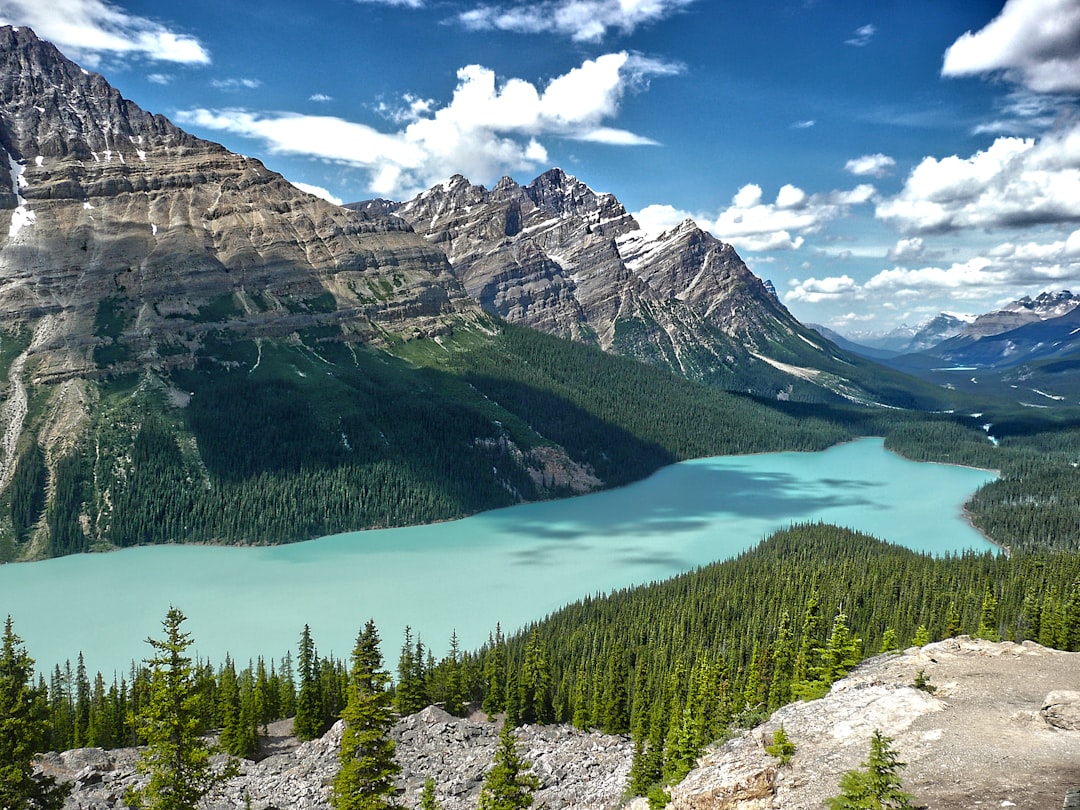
(557, 256)
(105, 202)
(1000, 730)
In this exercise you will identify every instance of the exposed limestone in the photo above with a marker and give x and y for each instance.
(988, 736)
(559, 257)
(178, 235)
(576, 769)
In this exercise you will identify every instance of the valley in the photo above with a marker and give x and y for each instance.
(591, 475)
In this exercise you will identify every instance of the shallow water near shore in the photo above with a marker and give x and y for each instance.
(510, 566)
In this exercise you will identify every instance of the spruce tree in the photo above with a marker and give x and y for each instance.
(878, 786)
(23, 728)
(454, 684)
(428, 800)
(365, 780)
(495, 674)
(411, 694)
(988, 618)
(508, 785)
(534, 684)
(177, 758)
(307, 724)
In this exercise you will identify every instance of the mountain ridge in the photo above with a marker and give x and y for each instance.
(557, 256)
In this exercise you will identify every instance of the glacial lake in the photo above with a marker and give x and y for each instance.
(511, 565)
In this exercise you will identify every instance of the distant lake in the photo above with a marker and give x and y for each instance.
(511, 565)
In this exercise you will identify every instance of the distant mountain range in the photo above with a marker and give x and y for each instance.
(1027, 350)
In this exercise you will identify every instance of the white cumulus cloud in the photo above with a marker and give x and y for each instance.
(87, 30)
(1004, 272)
(318, 191)
(876, 165)
(752, 224)
(581, 20)
(1035, 43)
(862, 36)
(489, 128)
(1014, 182)
(405, 3)
(816, 290)
(234, 84)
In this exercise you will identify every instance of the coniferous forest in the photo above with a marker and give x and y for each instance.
(388, 440)
(676, 664)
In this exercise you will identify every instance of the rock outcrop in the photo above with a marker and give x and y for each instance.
(998, 726)
(577, 769)
(999, 729)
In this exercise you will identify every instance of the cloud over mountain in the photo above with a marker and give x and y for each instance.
(998, 271)
(1014, 182)
(487, 129)
(88, 30)
(751, 224)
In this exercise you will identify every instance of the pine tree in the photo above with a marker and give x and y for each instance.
(428, 801)
(366, 778)
(454, 697)
(411, 694)
(878, 787)
(307, 724)
(781, 746)
(495, 674)
(534, 685)
(952, 621)
(889, 642)
(508, 785)
(988, 618)
(177, 758)
(23, 728)
(842, 651)
(921, 637)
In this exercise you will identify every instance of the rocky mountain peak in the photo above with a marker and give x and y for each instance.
(557, 256)
(54, 109)
(1048, 304)
(116, 207)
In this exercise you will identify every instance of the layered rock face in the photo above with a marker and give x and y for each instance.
(559, 257)
(108, 203)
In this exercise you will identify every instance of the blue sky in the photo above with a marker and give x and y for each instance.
(880, 162)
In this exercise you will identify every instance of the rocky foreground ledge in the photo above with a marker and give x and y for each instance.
(1002, 729)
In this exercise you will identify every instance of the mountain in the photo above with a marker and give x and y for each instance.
(1027, 351)
(557, 256)
(193, 350)
(850, 345)
(905, 339)
(1045, 306)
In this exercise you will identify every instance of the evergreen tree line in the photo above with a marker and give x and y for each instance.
(678, 663)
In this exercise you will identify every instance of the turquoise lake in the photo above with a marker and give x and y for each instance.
(510, 565)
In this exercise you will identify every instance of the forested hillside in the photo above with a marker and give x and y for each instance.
(269, 441)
